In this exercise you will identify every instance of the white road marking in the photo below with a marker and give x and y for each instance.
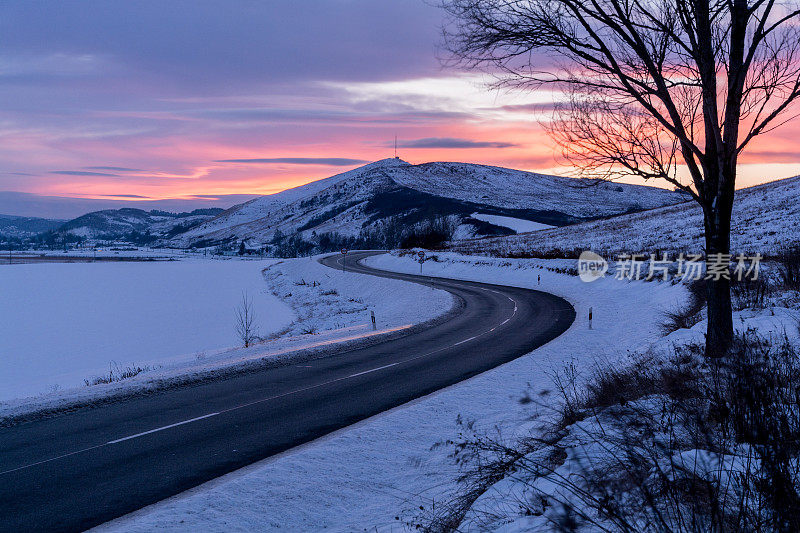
(23, 467)
(162, 428)
(372, 370)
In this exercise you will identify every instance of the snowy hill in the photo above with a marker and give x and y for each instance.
(14, 227)
(765, 219)
(393, 192)
(517, 189)
(114, 224)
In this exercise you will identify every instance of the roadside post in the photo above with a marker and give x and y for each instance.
(421, 260)
(590, 318)
(344, 259)
(372, 316)
(539, 280)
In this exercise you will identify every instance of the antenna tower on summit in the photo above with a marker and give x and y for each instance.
(395, 146)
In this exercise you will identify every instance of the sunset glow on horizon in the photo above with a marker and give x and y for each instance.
(135, 103)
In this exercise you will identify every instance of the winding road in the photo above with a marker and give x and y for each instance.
(79, 469)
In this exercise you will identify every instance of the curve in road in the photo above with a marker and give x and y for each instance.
(82, 468)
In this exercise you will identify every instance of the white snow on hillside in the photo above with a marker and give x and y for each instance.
(341, 203)
(765, 218)
(287, 210)
(517, 224)
(518, 189)
(118, 222)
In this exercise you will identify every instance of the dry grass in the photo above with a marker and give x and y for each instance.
(743, 412)
(117, 373)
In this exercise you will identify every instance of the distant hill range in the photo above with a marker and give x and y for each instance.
(14, 227)
(385, 204)
(135, 226)
(389, 203)
(764, 221)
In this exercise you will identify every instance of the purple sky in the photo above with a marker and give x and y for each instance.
(200, 103)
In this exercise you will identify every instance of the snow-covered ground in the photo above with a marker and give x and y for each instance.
(764, 219)
(176, 320)
(63, 323)
(530, 498)
(325, 299)
(111, 252)
(519, 225)
(376, 474)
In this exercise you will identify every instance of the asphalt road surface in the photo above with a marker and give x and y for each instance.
(79, 469)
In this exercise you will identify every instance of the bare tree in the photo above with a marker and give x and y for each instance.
(650, 86)
(244, 321)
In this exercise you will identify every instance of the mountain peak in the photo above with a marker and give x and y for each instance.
(367, 198)
(388, 162)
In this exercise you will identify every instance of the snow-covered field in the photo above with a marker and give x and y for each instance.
(764, 218)
(517, 224)
(375, 475)
(176, 320)
(63, 323)
(101, 254)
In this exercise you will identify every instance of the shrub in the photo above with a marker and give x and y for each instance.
(789, 267)
(749, 293)
(709, 446)
(309, 330)
(689, 315)
(116, 373)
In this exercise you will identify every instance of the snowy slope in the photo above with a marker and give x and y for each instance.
(517, 224)
(765, 218)
(118, 223)
(393, 189)
(21, 227)
(517, 189)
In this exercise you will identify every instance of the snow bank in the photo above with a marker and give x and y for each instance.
(323, 298)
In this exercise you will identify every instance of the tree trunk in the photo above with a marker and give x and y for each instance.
(719, 335)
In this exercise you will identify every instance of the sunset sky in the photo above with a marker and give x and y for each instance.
(214, 102)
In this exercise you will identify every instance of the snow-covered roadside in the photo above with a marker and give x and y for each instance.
(327, 308)
(327, 299)
(604, 440)
(377, 473)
